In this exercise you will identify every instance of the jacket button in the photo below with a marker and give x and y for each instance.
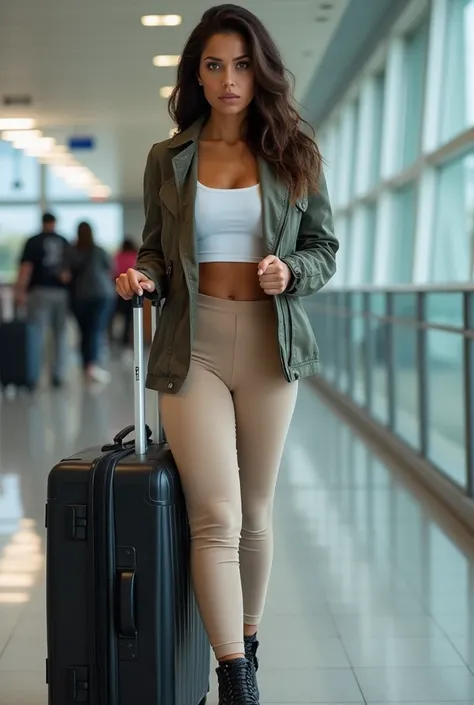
(297, 375)
(170, 385)
(298, 273)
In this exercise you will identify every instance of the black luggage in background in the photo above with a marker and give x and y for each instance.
(123, 625)
(20, 354)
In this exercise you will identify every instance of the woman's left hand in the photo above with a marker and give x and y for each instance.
(274, 275)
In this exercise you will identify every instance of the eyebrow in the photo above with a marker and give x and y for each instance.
(238, 58)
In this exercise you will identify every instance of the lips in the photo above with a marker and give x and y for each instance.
(229, 96)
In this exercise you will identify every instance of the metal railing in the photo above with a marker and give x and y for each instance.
(405, 356)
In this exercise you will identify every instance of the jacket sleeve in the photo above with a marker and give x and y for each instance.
(150, 259)
(314, 261)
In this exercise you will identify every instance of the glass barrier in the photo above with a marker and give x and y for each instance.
(407, 359)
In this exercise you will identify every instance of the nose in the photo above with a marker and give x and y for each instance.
(228, 80)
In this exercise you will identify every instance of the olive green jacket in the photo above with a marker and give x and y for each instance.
(301, 235)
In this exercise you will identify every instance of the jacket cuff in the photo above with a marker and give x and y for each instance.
(296, 275)
(151, 275)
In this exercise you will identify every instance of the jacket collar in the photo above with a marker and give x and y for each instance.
(190, 135)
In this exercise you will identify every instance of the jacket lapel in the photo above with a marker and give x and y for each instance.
(185, 186)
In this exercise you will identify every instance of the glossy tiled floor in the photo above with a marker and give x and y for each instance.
(372, 597)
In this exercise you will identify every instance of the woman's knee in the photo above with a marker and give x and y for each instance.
(217, 521)
(257, 516)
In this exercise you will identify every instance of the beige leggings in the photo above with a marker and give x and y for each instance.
(226, 428)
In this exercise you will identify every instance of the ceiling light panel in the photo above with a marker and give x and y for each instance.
(161, 20)
(21, 136)
(166, 91)
(165, 60)
(17, 123)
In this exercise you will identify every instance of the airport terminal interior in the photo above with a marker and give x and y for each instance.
(371, 598)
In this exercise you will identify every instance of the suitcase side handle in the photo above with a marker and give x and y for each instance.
(127, 625)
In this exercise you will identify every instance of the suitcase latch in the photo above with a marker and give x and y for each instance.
(78, 684)
(77, 522)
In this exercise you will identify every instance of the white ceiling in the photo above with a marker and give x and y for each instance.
(88, 67)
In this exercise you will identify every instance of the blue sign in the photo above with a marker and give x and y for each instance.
(77, 143)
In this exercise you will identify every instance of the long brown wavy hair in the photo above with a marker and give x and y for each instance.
(85, 237)
(274, 128)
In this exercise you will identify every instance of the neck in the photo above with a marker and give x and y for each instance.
(224, 128)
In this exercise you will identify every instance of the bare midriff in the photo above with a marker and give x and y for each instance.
(237, 281)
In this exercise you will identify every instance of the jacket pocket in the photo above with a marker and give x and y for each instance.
(303, 347)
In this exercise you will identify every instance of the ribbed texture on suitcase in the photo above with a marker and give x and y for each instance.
(193, 651)
(191, 645)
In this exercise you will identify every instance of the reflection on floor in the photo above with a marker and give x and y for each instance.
(371, 599)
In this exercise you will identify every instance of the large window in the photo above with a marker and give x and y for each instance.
(106, 220)
(454, 222)
(332, 158)
(457, 97)
(59, 190)
(369, 243)
(355, 146)
(413, 94)
(405, 353)
(403, 235)
(376, 141)
(345, 156)
(17, 223)
(19, 175)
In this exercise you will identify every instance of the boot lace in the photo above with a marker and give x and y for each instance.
(238, 687)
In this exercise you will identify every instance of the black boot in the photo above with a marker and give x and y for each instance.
(236, 683)
(251, 645)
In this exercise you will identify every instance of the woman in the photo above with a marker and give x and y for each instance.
(238, 229)
(92, 300)
(124, 260)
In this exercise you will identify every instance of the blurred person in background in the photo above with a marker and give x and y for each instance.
(238, 231)
(93, 297)
(42, 286)
(125, 259)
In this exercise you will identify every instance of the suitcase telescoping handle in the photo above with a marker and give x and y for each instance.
(139, 376)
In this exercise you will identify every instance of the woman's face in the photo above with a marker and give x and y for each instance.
(226, 74)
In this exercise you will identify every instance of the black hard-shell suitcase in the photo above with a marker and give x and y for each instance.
(20, 354)
(123, 625)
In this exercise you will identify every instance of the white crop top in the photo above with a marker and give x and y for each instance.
(229, 224)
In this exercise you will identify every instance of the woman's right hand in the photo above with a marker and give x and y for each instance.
(133, 282)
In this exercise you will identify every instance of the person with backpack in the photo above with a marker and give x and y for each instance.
(42, 286)
(93, 298)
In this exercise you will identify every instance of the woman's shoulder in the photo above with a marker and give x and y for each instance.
(160, 149)
(159, 160)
